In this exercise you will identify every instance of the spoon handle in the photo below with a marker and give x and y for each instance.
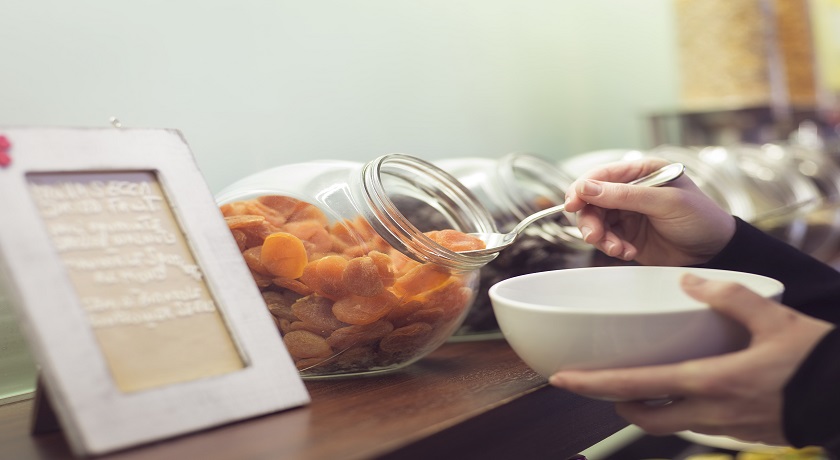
(659, 177)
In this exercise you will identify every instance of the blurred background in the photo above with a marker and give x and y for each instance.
(743, 91)
(256, 83)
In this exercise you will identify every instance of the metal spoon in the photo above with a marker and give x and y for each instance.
(495, 242)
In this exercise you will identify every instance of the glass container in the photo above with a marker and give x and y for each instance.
(513, 187)
(355, 284)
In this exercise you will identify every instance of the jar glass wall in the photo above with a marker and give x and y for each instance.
(354, 285)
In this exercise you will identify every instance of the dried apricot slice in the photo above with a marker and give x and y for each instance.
(384, 265)
(421, 278)
(364, 310)
(305, 344)
(283, 255)
(316, 310)
(330, 272)
(406, 339)
(455, 240)
(253, 258)
(361, 277)
(312, 233)
(355, 335)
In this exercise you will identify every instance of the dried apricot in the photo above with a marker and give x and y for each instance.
(364, 310)
(253, 258)
(262, 281)
(305, 344)
(292, 285)
(256, 234)
(240, 221)
(361, 277)
(431, 316)
(240, 238)
(421, 278)
(283, 255)
(280, 304)
(330, 272)
(307, 326)
(385, 267)
(455, 240)
(355, 335)
(313, 234)
(406, 339)
(316, 310)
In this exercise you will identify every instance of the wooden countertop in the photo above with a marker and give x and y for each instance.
(471, 399)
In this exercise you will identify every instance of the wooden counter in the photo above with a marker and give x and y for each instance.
(473, 399)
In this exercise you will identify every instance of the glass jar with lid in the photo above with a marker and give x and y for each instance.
(513, 187)
(355, 285)
(780, 195)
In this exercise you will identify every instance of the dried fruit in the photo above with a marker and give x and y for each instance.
(283, 255)
(361, 277)
(455, 240)
(407, 338)
(364, 310)
(421, 278)
(305, 344)
(343, 299)
(317, 310)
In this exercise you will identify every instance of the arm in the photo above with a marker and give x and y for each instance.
(811, 286)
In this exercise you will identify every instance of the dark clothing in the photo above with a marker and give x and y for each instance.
(812, 396)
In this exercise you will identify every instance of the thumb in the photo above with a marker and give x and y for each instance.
(733, 300)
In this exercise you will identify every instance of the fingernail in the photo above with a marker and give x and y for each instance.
(567, 200)
(590, 188)
(556, 380)
(627, 255)
(692, 280)
(609, 246)
(585, 231)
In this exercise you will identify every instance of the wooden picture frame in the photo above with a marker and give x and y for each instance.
(130, 290)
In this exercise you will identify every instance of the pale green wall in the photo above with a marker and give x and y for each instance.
(257, 83)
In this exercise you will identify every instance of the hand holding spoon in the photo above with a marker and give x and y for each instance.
(495, 242)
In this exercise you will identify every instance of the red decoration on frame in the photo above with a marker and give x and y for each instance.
(5, 146)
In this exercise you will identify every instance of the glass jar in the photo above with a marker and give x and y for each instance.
(356, 286)
(823, 235)
(513, 187)
(780, 195)
(714, 174)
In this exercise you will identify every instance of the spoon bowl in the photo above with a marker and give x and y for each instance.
(495, 242)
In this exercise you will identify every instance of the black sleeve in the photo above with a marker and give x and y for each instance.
(812, 396)
(811, 286)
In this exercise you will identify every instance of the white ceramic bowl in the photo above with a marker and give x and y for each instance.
(608, 317)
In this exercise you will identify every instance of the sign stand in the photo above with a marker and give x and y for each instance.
(130, 290)
(44, 419)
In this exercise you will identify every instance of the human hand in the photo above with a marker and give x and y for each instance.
(736, 394)
(675, 225)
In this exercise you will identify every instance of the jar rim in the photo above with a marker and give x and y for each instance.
(400, 232)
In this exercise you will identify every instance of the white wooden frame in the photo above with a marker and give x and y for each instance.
(95, 415)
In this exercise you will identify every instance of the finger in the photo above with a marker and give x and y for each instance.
(652, 201)
(590, 222)
(755, 312)
(639, 383)
(687, 414)
(625, 171)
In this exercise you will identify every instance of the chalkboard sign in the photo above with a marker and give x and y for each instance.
(131, 292)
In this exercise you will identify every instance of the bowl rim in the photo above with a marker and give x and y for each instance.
(693, 306)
